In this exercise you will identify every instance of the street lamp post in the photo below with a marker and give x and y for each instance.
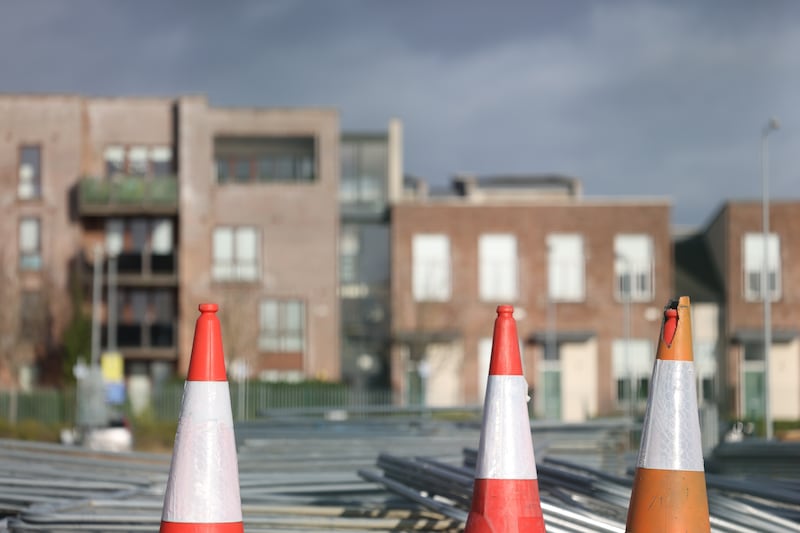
(625, 292)
(772, 125)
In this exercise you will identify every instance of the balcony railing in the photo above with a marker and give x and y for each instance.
(156, 340)
(139, 269)
(128, 194)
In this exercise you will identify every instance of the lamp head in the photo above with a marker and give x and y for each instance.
(772, 125)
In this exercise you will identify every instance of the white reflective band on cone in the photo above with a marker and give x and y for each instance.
(506, 447)
(203, 485)
(671, 428)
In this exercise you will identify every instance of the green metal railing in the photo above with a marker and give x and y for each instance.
(49, 406)
(248, 401)
(129, 191)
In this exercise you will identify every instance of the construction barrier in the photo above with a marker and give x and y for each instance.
(202, 494)
(505, 495)
(669, 489)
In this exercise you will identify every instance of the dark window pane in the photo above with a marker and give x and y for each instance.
(243, 170)
(284, 168)
(266, 169)
(223, 171)
(305, 168)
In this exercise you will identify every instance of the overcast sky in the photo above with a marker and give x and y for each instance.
(633, 97)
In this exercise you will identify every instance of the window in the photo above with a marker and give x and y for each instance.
(154, 161)
(498, 267)
(235, 254)
(364, 170)
(753, 382)
(161, 161)
(30, 172)
(349, 246)
(632, 366)
(431, 267)
(565, 268)
(633, 267)
(33, 316)
(264, 159)
(30, 244)
(753, 261)
(706, 367)
(161, 241)
(115, 236)
(282, 326)
(115, 160)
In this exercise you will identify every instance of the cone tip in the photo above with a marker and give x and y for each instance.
(675, 342)
(505, 358)
(505, 310)
(207, 362)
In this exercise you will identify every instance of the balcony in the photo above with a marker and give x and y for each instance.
(157, 340)
(128, 195)
(139, 269)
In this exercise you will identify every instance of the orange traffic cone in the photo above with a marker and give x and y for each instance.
(505, 497)
(669, 490)
(203, 488)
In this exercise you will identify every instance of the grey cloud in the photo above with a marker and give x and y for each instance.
(642, 98)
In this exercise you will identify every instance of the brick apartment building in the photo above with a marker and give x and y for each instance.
(588, 279)
(195, 203)
(724, 262)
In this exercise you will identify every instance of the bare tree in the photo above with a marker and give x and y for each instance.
(238, 317)
(25, 326)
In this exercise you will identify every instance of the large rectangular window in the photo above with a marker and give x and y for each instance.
(265, 159)
(30, 173)
(753, 266)
(565, 267)
(633, 267)
(364, 170)
(235, 254)
(282, 326)
(498, 277)
(431, 267)
(30, 244)
(632, 366)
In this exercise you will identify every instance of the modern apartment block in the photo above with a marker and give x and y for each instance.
(732, 252)
(195, 203)
(588, 279)
(371, 180)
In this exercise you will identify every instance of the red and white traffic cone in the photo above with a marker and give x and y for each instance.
(505, 496)
(669, 490)
(202, 493)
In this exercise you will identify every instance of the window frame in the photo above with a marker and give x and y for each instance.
(150, 150)
(444, 271)
(36, 252)
(508, 268)
(282, 333)
(37, 177)
(299, 160)
(637, 292)
(236, 267)
(553, 262)
(750, 294)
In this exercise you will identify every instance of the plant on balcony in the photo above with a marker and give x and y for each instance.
(164, 191)
(129, 190)
(94, 190)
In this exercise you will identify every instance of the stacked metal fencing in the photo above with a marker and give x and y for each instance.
(402, 472)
